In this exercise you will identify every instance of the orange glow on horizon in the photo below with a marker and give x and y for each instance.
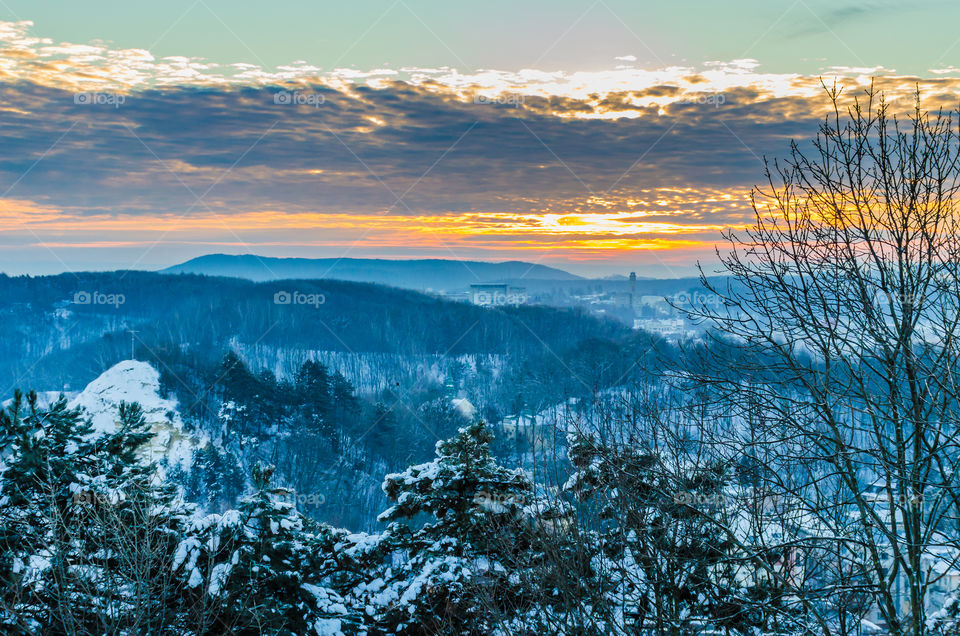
(665, 220)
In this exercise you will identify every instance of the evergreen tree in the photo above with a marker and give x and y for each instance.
(234, 378)
(383, 432)
(946, 621)
(258, 569)
(314, 386)
(473, 564)
(666, 560)
(345, 403)
(238, 388)
(214, 479)
(267, 403)
(86, 529)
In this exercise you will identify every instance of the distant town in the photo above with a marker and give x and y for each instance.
(658, 314)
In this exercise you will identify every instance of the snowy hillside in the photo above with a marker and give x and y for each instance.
(136, 381)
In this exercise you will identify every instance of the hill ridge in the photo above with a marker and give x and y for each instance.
(418, 274)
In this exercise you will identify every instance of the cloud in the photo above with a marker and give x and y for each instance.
(115, 147)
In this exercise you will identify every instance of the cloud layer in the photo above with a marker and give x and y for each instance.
(158, 159)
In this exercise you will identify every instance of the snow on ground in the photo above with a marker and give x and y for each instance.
(136, 381)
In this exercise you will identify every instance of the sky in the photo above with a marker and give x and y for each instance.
(601, 137)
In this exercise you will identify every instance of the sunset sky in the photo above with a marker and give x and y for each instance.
(599, 137)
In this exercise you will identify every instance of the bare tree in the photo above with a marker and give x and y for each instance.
(835, 351)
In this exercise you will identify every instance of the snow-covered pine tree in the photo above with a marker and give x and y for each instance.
(946, 620)
(661, 562)
(258, 570)
(215, 479)
(472, 566)
(667, 562)
(85, 527)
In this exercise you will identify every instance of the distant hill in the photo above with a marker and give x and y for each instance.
(77, 322)
(434, 274)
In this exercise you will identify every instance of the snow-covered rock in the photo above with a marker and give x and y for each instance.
(136, 381)
(465, 408)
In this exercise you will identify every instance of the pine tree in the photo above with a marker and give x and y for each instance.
(215, 479)
(383, 431)
(85, 526)
(946, 621)
(667, 562)
(471, 565)
(259, 570)
(313, 388)
(344, 400)
(234, 378)
(246, 402)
